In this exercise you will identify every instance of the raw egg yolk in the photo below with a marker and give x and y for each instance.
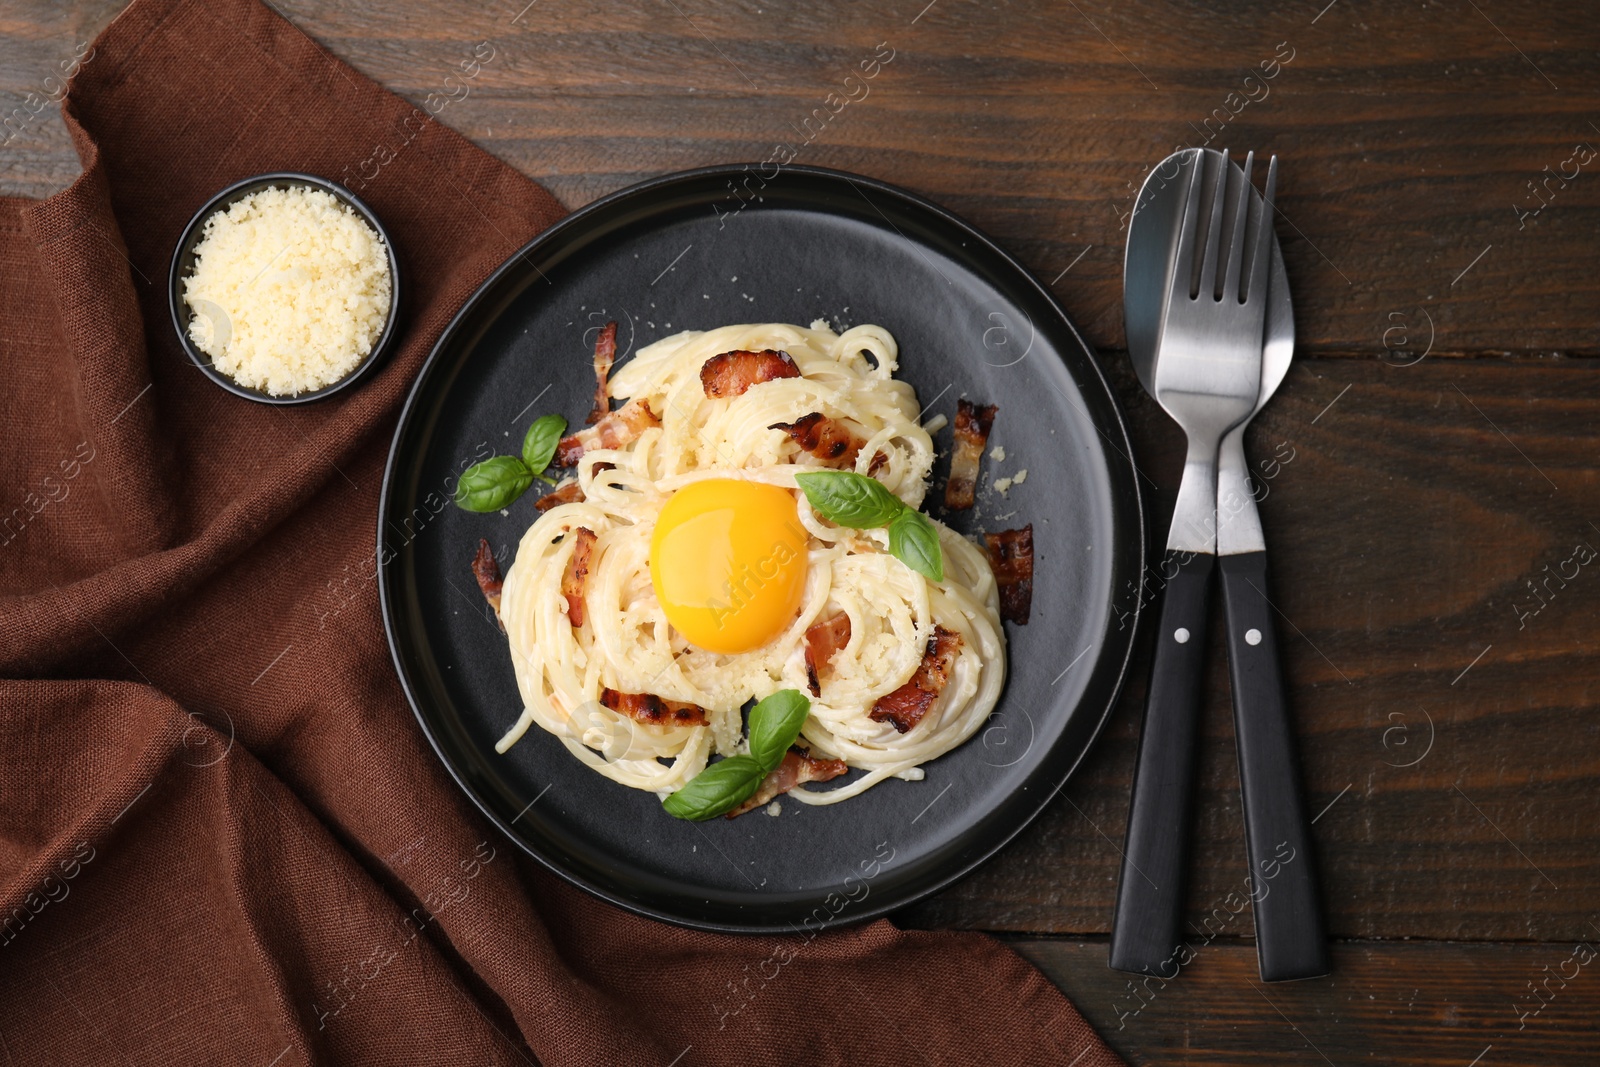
(728, 562)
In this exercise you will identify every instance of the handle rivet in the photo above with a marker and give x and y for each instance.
(1252, 636)
(1181, 636)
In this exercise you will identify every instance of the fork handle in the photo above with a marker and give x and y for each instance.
(1147, 927)
(1290, 940)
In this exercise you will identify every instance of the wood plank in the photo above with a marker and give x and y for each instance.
(1404, 531)
(1410, 137)
(1442, 1005)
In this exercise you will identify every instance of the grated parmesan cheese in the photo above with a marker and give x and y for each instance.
(1005, 484)
(290, 290)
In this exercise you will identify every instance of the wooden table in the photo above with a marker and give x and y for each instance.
(1434, 515)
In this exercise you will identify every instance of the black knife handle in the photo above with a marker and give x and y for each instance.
(1291, 942)
(1147, 927)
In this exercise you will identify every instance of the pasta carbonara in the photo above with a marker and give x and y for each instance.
(567, 674)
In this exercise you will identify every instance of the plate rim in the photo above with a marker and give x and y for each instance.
(1121, 446)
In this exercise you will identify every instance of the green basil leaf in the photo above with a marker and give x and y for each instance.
(850, 499)
(775, 723)
(539, 446)
(717, 790)
(914, 541)
(492, 484)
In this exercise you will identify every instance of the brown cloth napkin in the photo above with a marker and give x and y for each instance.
(223, 838)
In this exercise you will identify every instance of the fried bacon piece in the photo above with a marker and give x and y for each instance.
(1011, 556)
(571, 493)
(653, 710)
(605, 354)
(731, 373)
(823, 639)
(972, 433)
(612, 431)
(906, 706)
(576, 576)
(487, 572)
(797, 768)
(824, 438)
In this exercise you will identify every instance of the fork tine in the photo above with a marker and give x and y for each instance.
(1241, 215)
(1208, 265)
(1261, 257)
(1182, 275)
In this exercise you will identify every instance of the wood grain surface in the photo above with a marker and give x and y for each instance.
(1424, 1005)
(1431, 465)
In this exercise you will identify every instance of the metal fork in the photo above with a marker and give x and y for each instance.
(1206, 374)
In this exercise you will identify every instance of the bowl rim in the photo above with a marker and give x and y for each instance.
(190, 237)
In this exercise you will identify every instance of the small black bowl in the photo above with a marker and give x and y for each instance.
(183, 258)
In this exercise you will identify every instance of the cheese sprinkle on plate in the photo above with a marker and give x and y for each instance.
(290, 290)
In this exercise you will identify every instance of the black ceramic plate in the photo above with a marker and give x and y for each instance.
(703, 249)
